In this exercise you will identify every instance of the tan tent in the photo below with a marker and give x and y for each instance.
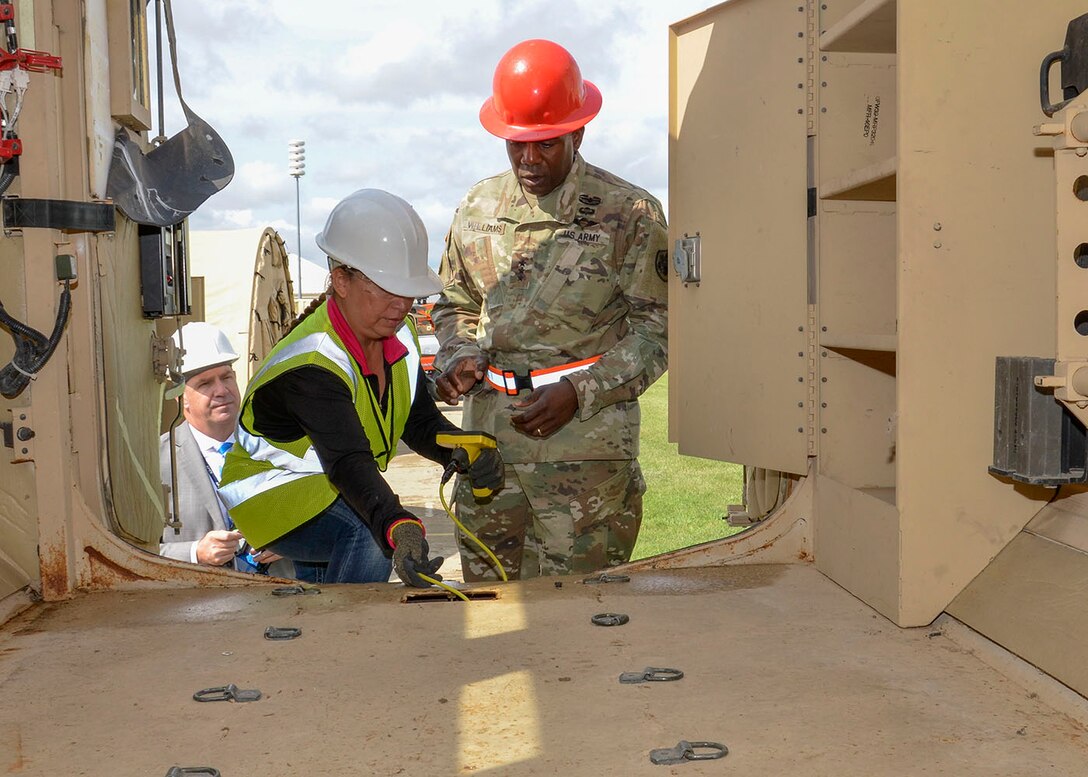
(249, 283)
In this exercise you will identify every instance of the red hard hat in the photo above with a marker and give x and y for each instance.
(538, 93)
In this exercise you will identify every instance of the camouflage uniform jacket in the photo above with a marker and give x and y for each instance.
(541, 283)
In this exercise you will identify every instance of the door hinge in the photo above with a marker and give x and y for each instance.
(19, 435)
(687, 258)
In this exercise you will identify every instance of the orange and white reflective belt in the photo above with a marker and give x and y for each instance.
(511, 383)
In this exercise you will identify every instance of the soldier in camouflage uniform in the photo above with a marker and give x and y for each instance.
(552, 322)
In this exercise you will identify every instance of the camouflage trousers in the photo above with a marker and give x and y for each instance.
(553, 518)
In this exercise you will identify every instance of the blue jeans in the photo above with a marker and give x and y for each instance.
(339, 537)
(310, 571)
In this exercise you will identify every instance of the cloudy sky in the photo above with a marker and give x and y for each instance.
(386, 94)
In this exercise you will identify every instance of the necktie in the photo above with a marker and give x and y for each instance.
(222, 451)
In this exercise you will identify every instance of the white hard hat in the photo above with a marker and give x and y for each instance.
(380, 235)
(206, 346)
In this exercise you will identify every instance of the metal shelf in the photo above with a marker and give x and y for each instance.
(872, 182)
(868, 28)
(859, 342)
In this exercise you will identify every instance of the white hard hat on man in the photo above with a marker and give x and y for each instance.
(206, 346)
(383, 237)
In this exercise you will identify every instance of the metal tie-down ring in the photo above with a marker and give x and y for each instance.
(282, 632)
(295, 590)
(606, 577)
(610, 619)
(685, 751)
(651, 675)
(229, 692)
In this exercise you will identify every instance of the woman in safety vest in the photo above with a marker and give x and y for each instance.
(321, 419)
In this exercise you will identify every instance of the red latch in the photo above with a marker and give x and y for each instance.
(7, 12)
(28, 59)
(10, 147)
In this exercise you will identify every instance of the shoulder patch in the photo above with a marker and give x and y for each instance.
(661, 264)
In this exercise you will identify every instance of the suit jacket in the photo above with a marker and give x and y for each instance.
(197, 501)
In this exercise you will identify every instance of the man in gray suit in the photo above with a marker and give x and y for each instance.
(210, 403)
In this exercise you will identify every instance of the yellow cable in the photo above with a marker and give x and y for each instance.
(440, 584)
(470, 535)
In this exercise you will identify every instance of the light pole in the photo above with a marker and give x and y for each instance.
(296, 166)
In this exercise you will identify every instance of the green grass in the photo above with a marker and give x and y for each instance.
(686, 497)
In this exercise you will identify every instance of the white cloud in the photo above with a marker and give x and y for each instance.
(386, 94)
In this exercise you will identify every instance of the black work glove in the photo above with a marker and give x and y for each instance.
(410, 555)
(486, 472)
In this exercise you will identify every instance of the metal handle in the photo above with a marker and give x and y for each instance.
(1044, 81)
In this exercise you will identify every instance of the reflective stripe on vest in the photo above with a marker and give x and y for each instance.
(270, 487)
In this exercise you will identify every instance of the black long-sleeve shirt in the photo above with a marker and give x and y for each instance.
(314, 402)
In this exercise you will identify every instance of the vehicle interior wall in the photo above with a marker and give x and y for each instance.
(18, 511)
(930, 252)
(133, 396)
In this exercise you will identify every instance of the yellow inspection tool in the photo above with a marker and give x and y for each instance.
(473, 443)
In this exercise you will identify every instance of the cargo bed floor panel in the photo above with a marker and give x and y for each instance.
(790, 672)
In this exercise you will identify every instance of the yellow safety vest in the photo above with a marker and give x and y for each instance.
(272, 487)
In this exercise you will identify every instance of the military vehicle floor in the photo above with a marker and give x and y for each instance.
(794, 675)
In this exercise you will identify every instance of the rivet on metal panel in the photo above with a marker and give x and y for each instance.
(823, 110)
(800, 430)
(824, 353)
(936, 243)
(823, 404)
(800, 35)
(823, 58)
(823, 329)
(800, 353)
(823, 430)
(823, 380)
(800, 86)
(800, 404)
(823, 83)
(1081, 152)
(800, 329)
(800, 380)
(937, 227)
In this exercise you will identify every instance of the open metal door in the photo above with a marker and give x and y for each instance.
(738, 336)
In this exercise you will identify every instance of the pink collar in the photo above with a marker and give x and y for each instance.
(392, 348)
